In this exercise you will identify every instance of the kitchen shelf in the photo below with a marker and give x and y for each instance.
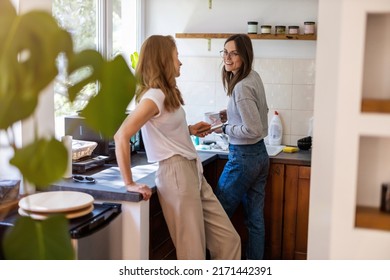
(307, 37)
(372, 218)
(370, 105)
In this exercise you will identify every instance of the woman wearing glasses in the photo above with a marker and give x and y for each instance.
(194, 216)
(245, 174)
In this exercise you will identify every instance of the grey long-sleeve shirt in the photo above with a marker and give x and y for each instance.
(247, 111)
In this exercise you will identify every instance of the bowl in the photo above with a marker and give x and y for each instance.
(304, 143)
(212, 118)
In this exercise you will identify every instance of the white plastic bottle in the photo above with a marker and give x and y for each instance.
(275, 130)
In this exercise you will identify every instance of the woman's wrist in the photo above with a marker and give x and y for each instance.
(189, 129)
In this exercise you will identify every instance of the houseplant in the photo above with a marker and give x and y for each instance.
(29, 46)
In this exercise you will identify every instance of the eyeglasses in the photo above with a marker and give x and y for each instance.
(232, 54)
(82, 179)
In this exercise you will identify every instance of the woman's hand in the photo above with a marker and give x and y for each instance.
(140, 188)
(223, 115)
(218, 130)
(200, 129)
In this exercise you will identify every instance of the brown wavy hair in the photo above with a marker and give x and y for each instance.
(245, 51)
(156, 69)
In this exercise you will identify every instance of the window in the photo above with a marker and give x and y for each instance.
(109, 26)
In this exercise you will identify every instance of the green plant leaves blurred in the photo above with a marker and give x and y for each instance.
(106, 111)
(134, 59)
(47, 156)
(29, 46)
(39, 240)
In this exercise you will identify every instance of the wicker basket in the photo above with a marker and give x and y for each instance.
(81, 149)
(9, 197)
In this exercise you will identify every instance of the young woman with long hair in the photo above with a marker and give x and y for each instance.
(195, 218)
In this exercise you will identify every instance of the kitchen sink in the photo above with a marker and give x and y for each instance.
(211, 149)
(271, 150)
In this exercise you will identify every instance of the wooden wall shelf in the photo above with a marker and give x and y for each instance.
(308, 37)
(372, 218)
(376, 105)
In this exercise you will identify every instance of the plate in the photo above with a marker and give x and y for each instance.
(68, 215)
(56, 201)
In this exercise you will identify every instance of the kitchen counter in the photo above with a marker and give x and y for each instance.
(134, 224)
(131, 233)
(109, 186)
(300, 158)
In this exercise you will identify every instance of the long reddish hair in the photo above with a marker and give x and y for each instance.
(156, 69)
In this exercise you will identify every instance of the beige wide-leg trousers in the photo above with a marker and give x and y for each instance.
(194, 216)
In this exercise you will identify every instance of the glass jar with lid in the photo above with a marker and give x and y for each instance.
(293, 29)
(252, 27)
(265, 29)
(309, 27)
(280, 29)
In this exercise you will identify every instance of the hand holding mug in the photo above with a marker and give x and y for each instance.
(223, 116)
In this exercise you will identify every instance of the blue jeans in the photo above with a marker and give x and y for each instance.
(243, 180)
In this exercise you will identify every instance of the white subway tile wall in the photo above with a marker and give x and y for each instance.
(288, 83)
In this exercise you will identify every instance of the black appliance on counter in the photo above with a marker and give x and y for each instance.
(90, 233)
(105, 150)
(78, 129)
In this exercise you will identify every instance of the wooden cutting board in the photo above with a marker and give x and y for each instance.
(68, 215)
(56, 202)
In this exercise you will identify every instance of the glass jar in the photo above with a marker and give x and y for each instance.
(265, 29)
(252, 27)
(293, 29)
(280, 29)
(309, 27)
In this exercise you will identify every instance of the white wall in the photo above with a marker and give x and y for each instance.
(351, 155)
(286, 67)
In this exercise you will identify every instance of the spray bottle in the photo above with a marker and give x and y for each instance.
(275, 130)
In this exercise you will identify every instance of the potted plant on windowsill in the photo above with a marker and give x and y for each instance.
(29, 47)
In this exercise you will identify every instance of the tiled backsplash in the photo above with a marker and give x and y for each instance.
(289, 87)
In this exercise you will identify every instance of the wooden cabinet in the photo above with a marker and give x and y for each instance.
(273, 212)
(286, 213)
(296, 212)
(160, 243)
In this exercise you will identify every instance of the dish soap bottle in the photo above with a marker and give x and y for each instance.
(275, 130)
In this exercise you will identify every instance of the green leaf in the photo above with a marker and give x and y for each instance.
(30, 239)
(28, 55)
(86, 59)
(7, 15)
(134, 59)
(106, 111)
(42, 162)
